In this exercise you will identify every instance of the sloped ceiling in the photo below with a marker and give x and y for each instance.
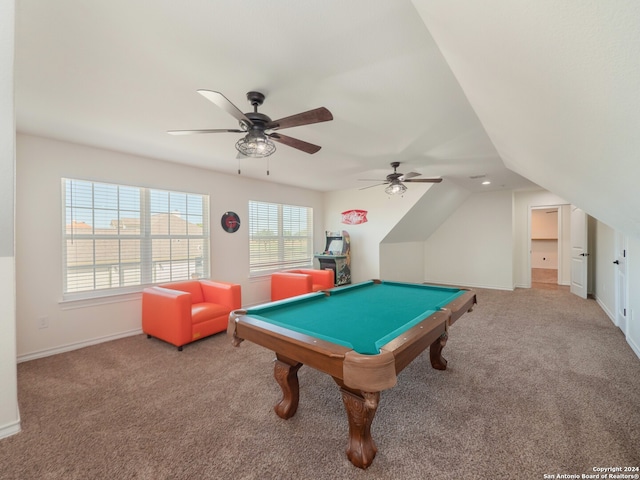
(556, 86)
(118, 74)
(424, 218)
(528, 93)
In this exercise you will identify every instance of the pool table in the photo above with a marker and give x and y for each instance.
(363, 335)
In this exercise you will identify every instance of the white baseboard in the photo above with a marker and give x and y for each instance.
(10, 429)
(634, 346)
(472, 285)
(528, 285)
(492, 287)
(605, 309)
(75, 346)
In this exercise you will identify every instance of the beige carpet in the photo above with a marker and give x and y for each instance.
(539, 382)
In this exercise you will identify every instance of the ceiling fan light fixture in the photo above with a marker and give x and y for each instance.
(255, 145)
(395, 188)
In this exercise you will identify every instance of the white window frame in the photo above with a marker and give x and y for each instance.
(281, 226)
(196, 237)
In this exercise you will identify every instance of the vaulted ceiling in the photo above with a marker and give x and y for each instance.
(522, 93)
(556, 86)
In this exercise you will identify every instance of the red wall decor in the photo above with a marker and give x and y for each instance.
(354, 217)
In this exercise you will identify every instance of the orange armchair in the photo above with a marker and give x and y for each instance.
(290, 283)
(180, 313)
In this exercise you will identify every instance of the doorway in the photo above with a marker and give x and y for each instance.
(545, 247)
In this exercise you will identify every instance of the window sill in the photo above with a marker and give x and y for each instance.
(267, 273)
(73, 303)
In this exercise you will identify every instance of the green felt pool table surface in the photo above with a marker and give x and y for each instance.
(363, 317)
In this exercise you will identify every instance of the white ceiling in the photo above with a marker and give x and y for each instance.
(453, 89)
(119, 73)
(556, 85)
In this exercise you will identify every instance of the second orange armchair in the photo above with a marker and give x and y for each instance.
(290, 283)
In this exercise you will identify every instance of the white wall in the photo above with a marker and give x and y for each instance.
(384, 213)
(9, 414)
(483, 243)
(402, 249)
(544, 223)
(544, 254)
(473, 247)
(402, 262)
(39, 167)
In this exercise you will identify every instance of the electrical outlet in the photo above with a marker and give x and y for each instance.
(43, 322)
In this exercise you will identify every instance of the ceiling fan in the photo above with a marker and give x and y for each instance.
(394, 181)
(258, 128)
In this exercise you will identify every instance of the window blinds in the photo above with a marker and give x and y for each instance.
(280, 237)
(117, 237)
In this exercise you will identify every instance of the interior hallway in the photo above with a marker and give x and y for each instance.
(546, 279)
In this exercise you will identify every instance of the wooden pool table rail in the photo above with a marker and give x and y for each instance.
(360, 377)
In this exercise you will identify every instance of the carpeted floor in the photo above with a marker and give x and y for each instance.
(539, 382)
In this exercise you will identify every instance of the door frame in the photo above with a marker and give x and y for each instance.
(558, 207)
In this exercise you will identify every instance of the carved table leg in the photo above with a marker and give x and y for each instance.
(435, 352)
(360, 411)
(286, 374)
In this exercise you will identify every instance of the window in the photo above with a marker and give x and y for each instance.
(280, 237)
(119, 237)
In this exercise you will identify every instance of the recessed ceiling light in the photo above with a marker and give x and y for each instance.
(486, 182)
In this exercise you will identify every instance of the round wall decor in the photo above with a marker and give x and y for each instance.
(230, 222)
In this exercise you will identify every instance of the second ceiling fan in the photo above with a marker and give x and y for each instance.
(260, 131)
(394, 181)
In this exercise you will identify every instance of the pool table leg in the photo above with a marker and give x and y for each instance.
(435, 352)
(285, 372)
(361, 408)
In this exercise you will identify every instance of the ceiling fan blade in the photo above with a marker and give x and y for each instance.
(375, 185)
(408, 175)
(294, 142)
(223, 102)
(425, 180)
(305, 118)
(208, 130)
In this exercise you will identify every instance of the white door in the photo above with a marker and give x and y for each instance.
(579, 254)
(621, 282)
